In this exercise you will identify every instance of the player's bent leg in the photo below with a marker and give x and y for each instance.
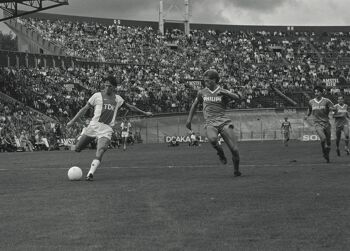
(346, 135)
(212, 135)
(124, 143)
(231, 140)
(102, 147)
(322, 134)
(337, 140)
(83, 142)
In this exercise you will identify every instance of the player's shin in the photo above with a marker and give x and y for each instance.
(323, 143)
(94, 165)
(235, 160)
(337, 140)
(220, 152)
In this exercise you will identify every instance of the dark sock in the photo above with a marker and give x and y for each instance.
(236, 165)
(323, 147)
(347, 142)
(218, 148)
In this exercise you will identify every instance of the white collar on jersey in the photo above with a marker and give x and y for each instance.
(318, 101)
(217, 88)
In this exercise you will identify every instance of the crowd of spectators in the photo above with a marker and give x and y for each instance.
(250, 60)
(161, 73)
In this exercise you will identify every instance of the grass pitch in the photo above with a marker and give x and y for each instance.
(154, 197)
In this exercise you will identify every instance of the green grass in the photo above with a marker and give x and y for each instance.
(154, 197)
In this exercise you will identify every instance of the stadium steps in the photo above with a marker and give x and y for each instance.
(50, 47)
(283, 96)
(7, 98)
(314, 49)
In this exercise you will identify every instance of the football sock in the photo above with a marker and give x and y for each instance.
(323, 147)
(327, 149)
(337, 142)
(235, 165)
(347, 141)
(94, 164)
(218, 147)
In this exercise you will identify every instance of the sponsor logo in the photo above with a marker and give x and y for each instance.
(310, 138)
(212, 99)
(67, 142)
(186, 139)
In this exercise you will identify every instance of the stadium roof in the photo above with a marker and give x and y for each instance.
(11, 8)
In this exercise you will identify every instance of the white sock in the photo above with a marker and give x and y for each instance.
(94, 164)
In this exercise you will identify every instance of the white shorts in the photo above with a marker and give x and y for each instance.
(99, 130)
(125, 134)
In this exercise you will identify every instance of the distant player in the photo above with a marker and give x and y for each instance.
(194, 140)
(215, 99)
(286, 128)
(341, 116)
(106, 105)
(125, 127)
(319, 108)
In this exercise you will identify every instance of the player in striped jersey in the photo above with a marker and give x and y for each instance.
(319, 108)
(341, 116)
(106, 105)
(215, 99)
(285, 130)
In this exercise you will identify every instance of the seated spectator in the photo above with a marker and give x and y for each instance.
(194, 140)
(9, 142)
(25, 142)
(41, 142)
(174, 142)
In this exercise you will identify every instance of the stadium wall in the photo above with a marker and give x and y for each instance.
(250, 124)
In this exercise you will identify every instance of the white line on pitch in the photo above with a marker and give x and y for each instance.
(188, 166)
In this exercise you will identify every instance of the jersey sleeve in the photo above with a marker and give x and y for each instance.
(92, 100)
(330, 103)
(200, 96)
(120, 102)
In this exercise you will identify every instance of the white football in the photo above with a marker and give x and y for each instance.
(75, 173)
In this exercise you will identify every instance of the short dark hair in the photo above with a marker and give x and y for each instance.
(111, 79)
(212, 74)
(319, 88)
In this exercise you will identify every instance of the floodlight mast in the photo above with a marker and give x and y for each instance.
(173, 4)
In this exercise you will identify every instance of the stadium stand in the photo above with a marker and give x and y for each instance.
(274, 68)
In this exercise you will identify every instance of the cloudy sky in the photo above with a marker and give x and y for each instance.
(250, 12)
(283, 12)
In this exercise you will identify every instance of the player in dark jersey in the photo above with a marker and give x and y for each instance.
(341, 116)
(285, 130)
(106, 105)
(215, 99)
(319, 108)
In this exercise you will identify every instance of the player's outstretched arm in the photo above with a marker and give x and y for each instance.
(231, 95)
(308, 112)
(135, 109)
(191, 114)
(81, 113)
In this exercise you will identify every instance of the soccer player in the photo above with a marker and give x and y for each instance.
(341, 117)
(319, 108)
(285, 130)
(106, 104)
(125, 126)
(215, 99)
